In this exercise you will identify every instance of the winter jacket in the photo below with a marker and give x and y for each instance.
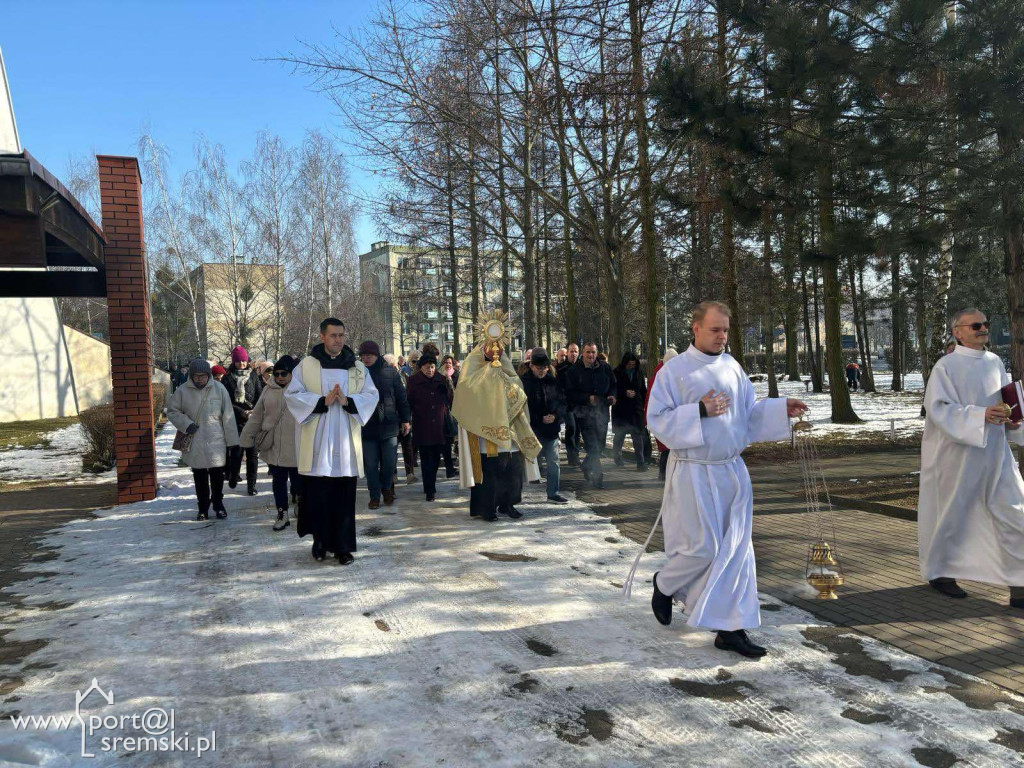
(647, 399)
(244, 391)
(545, 396)
(629, 411)
(393, 405)
(217, 429)
(582, 382)
(271, 413)
(430, 400)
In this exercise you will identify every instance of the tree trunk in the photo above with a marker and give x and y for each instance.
(867, 382)
(648, 244)
(572, 323)
(474, 240)
(769, 309)
(813, 342)
(898, 324)
(453, 264)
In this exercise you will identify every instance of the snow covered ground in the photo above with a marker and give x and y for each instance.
(876, 409)
(449, 642)
(61, 460)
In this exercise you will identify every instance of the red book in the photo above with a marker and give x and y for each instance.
(1013, 396)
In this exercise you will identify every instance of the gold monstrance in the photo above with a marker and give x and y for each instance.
(823, 570)
(494, 332)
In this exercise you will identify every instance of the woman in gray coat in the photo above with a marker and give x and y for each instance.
(202, 408)
(272, 424)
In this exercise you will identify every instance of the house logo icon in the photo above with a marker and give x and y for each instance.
(80, 697)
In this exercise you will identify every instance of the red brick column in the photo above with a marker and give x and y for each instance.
(131, 354)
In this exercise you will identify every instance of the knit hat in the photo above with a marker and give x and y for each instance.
(286, 363)
(219, 370)
(426, 360)
(238, 354)
(369, 348)
(539, 356)
(198, 366)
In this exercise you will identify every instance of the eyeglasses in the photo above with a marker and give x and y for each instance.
(976, 326)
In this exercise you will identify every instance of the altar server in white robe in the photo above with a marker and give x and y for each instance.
(703, 409)
(970, 519)
(331, 397)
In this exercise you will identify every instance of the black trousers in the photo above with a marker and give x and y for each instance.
(252, 466)
(327, 512)
(408, 453)
(446, 453)
(430, 460)
(502, 485)
(572, 437)
(209, 487)
(620, 438)
(662, 463)
(593, 427)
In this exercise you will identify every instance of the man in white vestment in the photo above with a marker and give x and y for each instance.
(331, 397)
(702, 408)
(970, 517)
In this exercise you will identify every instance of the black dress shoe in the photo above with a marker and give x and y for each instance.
(251, 490)
(202, 516)
(738, 642)
(661, 604)
(1017, 602)
(233, 481)
(430, 497)
(221, 514)
(948, 587)
(345, 558)
(318, 552)
(512, 512)
(491, 519)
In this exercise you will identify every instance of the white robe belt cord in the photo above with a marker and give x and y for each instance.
(627, 587)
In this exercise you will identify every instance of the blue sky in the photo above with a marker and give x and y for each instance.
(88, 76)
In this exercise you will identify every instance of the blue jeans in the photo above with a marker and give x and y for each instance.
(281, 477)
(554, 473)
(380, 460)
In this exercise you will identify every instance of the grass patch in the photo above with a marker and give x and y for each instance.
(31, 434)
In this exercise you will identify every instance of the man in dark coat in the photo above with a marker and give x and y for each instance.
(628, 411)
(547, 412)
(380, 434)
(590, 389)
(572, 434)
(244, 386)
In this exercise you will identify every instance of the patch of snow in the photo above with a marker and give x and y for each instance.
(875, 409)
(61, 460)
(426, 652)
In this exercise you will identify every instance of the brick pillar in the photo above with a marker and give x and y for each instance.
(131, 354)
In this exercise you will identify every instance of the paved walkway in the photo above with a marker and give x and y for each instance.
(884, 596)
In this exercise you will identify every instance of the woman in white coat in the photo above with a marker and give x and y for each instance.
(271, 429)
(202, 408)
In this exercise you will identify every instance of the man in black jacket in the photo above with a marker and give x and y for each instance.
(245, 387)
(547, 412)
(572, 434)
(590, 390)
(380, 434)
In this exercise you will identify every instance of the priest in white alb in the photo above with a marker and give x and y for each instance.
(331, 397)
(702, 407)
(970, 517)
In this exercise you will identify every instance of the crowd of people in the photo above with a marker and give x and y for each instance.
(322, 422)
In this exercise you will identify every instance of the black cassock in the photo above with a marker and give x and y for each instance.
(327, 512)
(502, 484)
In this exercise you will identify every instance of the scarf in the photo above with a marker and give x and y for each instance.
(241, 379)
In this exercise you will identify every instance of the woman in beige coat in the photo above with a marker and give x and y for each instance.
(274, 427)
(202, 408)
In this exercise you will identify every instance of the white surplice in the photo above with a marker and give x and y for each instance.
(970, 519)
(708, 505)
(333, 454)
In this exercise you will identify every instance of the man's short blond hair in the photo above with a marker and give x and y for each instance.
(701, 310)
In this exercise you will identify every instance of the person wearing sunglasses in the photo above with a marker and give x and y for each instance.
(971, 510)
(270, 431)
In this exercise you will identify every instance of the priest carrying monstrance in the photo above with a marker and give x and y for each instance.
(496, 445)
